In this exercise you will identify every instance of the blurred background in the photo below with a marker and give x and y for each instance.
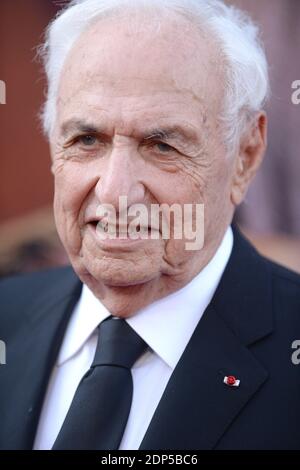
(270, 216)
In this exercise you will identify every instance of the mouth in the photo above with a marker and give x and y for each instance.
(122, 232)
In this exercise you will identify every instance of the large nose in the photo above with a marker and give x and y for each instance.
(121, 176)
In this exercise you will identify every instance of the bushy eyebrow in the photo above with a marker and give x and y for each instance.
(76, 125)
(175, 132)
(163, 134)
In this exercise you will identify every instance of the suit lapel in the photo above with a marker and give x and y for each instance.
(197, 407)
(32, 355)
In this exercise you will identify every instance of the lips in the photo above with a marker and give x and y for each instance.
(119, 229)
(130, 230)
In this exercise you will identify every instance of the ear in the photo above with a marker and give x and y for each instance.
(250, 156)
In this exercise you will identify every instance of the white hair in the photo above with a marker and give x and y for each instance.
(246, 70)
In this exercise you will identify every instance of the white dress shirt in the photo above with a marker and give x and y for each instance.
(166, 325)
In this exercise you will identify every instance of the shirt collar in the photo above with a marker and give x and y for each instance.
(166, 325)
(87, 315)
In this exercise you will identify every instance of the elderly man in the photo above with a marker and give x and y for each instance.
(148, 342)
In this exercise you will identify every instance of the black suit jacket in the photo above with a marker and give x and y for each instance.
(247, 331)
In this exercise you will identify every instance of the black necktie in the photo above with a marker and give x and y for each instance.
(99, 411)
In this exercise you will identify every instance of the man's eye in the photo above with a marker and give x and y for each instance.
(87, 140)
(164, 148)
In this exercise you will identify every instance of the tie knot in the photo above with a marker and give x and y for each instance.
(118, 344)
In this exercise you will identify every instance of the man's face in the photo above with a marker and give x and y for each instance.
(137, 116)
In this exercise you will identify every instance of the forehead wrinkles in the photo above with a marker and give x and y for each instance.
(135, 111)
(136, 94)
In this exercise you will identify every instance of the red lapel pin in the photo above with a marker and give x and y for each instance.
(231, 381)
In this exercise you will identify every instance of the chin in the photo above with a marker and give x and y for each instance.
(118, 272)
